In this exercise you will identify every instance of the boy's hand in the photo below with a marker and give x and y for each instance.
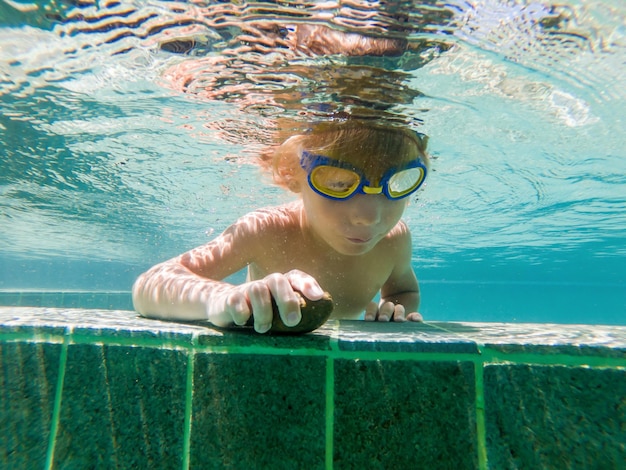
(255, 298)
(389, 311)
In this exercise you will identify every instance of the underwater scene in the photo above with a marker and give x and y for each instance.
(132, 131)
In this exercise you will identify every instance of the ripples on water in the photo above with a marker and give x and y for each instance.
(128, 127)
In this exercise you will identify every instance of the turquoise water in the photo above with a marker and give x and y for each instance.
(123, 141)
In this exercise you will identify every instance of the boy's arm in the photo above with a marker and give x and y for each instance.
(182, 287)
(189, 287)
(401, 301)
(400, 295)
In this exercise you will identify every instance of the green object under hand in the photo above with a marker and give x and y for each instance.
(314, 314)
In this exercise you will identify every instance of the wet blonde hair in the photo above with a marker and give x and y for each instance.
(373, 148)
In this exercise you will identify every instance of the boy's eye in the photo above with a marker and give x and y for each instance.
(339, 185)
(405, 181)
(337, 180)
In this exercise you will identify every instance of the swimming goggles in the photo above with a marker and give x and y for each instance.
(335, 179)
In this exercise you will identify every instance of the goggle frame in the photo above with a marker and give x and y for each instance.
(310, 162)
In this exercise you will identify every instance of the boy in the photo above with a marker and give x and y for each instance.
(344, 235)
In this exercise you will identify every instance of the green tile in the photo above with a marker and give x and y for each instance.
(30, 299)
(24, 322)
(318, 340)
(258, 411)
(86, 300)
(401, 337)
(27, 391)
(259, 400)
(95, 326)
(51, 299)
(404, 414)
(544, 338)
(118, 301)
(122, 325)
(10, 298)
(72, 300)
(123, 407)
(555, 417)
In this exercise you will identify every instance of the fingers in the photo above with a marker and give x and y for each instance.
(383, 312)
(250, 299)
(261, 304)
(399, 313)
(237, 308)
(371, 311)
(255, 299)
(287, 301)
(388, 311)
(415, 316)
(306, 284)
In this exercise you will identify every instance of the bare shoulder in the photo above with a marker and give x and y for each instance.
(400, 230)
(243, 242)
(266, 221)
(400, 235)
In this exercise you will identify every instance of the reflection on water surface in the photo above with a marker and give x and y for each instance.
(129, 129)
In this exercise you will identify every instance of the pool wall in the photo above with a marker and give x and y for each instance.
(107, 389)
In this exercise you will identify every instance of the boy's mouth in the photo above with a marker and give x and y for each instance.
(359, 240)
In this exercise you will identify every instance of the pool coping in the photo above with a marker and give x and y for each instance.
(485, 351)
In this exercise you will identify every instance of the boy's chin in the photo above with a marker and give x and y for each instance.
(351, 247)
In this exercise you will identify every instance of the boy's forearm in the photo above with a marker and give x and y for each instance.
(171, 291)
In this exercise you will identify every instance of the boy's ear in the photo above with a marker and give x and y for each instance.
(294, 185)
(290, 177)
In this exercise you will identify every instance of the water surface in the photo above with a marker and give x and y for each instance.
(129, 133)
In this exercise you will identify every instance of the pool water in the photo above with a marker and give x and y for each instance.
(125, 140)
(130, 132)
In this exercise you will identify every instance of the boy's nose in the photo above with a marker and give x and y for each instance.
(366, 209)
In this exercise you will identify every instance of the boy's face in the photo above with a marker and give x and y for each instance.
(352, 226)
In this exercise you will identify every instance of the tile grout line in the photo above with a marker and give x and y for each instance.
(481, 431)
(330, 399)
(485, 357)
(56, 410)
(191, 354)
(330, 412)
(479, 404)
(490, 355)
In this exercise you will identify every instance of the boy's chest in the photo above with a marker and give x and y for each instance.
(352, 280)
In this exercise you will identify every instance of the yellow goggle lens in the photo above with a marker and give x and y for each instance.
(336, 182)
(405, 181)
